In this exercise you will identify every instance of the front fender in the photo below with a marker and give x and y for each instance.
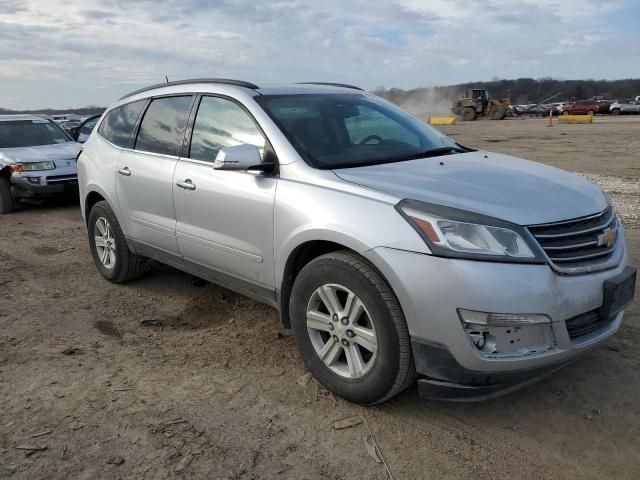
(305, 212)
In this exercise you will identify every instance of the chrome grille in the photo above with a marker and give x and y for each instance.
(577, 243)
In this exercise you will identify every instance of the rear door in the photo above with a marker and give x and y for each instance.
(225, 218)
(145, 172)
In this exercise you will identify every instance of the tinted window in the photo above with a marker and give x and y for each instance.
(162, 126)
(371, 126)
(221, 123)
(29, 133)
(119, 123)
(347, 130)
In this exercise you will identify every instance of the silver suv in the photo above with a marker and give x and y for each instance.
(390, 250)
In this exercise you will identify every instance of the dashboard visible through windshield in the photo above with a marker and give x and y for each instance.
(351, 130)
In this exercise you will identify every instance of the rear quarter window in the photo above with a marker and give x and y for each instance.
(119, 123)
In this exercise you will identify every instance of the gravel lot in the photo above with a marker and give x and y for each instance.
(219, 391)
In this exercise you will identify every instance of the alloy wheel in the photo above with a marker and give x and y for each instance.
(341, 331)
(105, 243)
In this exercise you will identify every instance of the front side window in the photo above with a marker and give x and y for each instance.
(162, 127)
(350, 130)
(120, 122)
(221, 123)
(30, 133)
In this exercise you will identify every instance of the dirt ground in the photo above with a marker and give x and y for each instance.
(218, 391)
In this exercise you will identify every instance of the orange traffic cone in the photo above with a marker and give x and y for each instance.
(550, 123)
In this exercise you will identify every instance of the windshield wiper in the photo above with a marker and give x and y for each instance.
(434, 152)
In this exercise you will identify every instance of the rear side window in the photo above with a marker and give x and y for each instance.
(221, 123)
(119, 123)
(162, 127)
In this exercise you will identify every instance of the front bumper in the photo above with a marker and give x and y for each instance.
(46, 183)
(443, 378)
(430, 290)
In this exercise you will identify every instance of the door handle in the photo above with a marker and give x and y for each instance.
(124, 171)
(186, 184)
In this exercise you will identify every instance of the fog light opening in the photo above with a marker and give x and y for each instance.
(501, 319)
(507, 335)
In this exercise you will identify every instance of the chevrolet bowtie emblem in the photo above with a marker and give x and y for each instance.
(608, 238)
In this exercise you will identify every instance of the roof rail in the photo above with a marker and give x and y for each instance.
(331, 84)
(226, 81)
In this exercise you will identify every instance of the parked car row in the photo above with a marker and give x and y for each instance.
(581, 107)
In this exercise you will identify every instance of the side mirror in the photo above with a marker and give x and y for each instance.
(238, 157)
(74, 132)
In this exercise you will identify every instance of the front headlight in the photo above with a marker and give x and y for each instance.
(30, 167)
(451, 232)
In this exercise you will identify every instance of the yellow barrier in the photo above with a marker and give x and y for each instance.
(442, 120)
(575, 119)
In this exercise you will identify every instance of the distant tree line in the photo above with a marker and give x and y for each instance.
(83, 112)
(526, 90)
(520, 91)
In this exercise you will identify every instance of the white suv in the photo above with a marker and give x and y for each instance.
(390, 250)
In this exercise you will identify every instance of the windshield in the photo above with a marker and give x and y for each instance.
(340, 131)
(29, 133)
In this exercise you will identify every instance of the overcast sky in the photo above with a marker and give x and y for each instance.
(74, 53)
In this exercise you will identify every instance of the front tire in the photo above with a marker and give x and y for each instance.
(468, 114)
(7, 203)
(350, 329)
(109, 249)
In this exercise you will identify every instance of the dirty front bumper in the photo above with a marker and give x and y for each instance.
(433, 291)
(48, 183)
(443, 378)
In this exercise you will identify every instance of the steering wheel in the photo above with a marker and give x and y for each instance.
(369, 138)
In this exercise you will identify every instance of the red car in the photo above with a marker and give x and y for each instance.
(582, 107)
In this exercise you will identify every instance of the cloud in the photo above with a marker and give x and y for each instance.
(93, 51)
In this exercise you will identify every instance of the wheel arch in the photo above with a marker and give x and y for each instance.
(306, 251)
(90, 200)
(94, 195)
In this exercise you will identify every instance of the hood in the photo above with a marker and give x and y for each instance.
(40, 153)
(501, 186)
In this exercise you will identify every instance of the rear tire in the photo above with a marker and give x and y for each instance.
(7, 203)
(615, 111)
(468, 114)
(109, 249)
(325, 285)
(590, 112)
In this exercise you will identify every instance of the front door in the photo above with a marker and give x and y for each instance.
(225, 218)
(144, 180)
